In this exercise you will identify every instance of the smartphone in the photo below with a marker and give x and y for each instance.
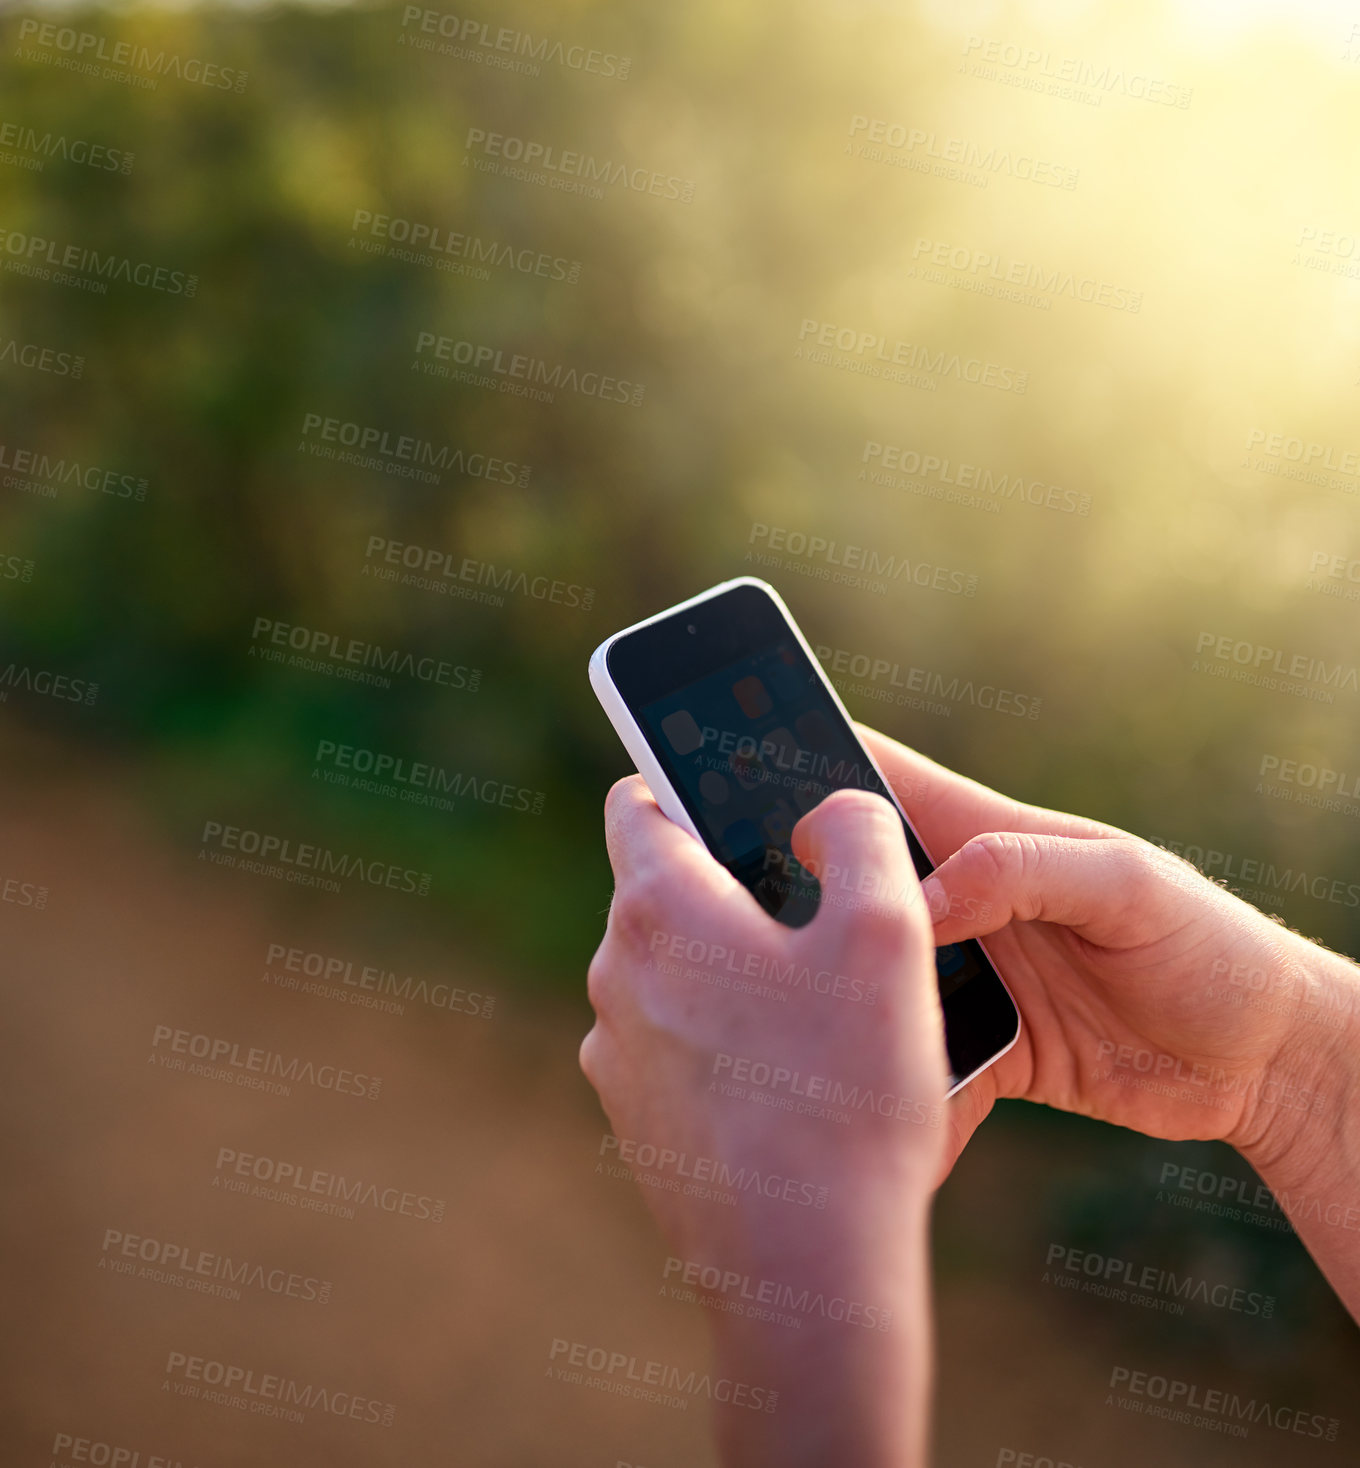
(738, 732)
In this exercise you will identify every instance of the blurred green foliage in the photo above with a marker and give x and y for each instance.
(257, 193)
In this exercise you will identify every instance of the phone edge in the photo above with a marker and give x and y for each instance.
(627, 727)
(649, 767)
(960, 1083)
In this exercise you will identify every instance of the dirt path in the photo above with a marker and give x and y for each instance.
(115, 1160)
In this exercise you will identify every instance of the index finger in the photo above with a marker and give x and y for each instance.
(948, 809)
(644, 844)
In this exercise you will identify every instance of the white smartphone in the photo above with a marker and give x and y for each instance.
(738, 732)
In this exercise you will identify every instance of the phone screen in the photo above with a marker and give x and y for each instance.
(750, 739)
(752, 747)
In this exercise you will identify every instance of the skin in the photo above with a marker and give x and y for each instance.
(849, 1394)
(1150, 998)
(1126, 964)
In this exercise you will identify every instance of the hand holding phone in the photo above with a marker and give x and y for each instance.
(738, 732)
(789, 1151)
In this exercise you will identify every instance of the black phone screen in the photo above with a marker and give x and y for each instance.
(750, 739)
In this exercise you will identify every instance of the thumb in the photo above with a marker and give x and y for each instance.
(853, 843)
(1089, 884)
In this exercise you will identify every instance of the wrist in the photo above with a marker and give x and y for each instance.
(1304, 1125)
(836, 1322)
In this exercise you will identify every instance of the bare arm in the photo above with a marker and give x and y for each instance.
(1151, 997)
(812, 1259)
(1310, 1157)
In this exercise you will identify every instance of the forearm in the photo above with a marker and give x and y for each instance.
(854, 1391)
(1311, 1161)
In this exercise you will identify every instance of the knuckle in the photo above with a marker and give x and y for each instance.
(589, 1056)
(631, 922)
(1136, 859)
(999, 857)
(1144, 866)
(1007, 862)
(617, 797)
(598, 986)
(640, 907)
(1138, 854)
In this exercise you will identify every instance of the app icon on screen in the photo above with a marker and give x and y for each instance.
(752, 697)
(713, 787)
(682, 731)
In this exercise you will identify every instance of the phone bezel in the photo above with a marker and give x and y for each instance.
(971, 1011)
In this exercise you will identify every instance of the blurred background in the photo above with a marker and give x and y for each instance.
(334, 333)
